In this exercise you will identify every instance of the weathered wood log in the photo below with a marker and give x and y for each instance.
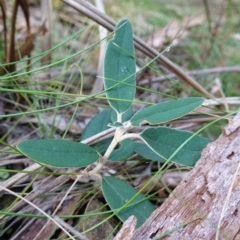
(206, 204)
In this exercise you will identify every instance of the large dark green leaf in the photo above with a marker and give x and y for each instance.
(58, 153)
(166, 111)
(120, 67)
(125, 150)
(166, 141)
(117, 193)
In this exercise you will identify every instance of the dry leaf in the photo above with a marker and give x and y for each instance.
(175, 30)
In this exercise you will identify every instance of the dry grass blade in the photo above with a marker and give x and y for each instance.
(98, 84)
(227, 202)
(4, 17)
(49, 187)
(70, 229)
(46, 8)
(217, 70)
(41, 232)
(12, 57)
(102, 19)
(40, 210)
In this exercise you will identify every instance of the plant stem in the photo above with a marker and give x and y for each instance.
(130, 135)
(117, 137)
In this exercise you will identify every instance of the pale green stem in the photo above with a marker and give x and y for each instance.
(117, 136)
(119, 117)
(130, 135)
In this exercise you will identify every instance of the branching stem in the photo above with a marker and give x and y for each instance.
(116, 139)
(130, 135)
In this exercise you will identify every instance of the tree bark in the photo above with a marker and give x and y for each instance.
(206, 204)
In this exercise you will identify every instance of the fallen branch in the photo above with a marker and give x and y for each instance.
(206, 204)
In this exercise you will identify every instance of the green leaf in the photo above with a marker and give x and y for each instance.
(102, 120)
(58, 153)
(143, 150)
(97, 124)
(119, 68)
(166, 111)
(165, 141)
(117, 193)
(125, 150)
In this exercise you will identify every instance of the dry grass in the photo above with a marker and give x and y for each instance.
(57, 96)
